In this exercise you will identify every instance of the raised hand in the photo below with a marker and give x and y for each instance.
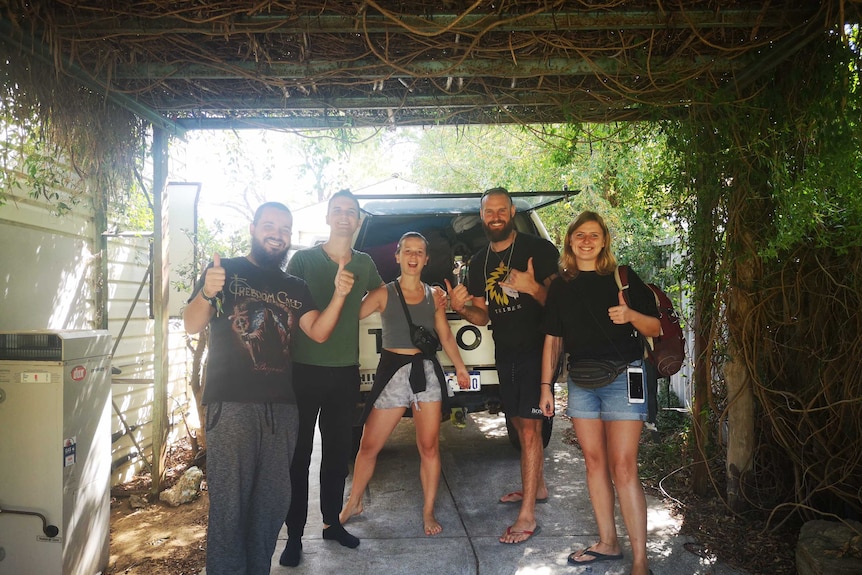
(458, 296)
(215, 278)
(439, 297)
(521, 281)
(619, 314)
(343, 279)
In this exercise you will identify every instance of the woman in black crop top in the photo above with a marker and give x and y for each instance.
(406, 378)
(587, 317)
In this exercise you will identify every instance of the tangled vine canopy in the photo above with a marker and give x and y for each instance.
(315, 63)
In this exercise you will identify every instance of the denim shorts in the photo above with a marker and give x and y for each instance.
(608, 403)
(398, 393)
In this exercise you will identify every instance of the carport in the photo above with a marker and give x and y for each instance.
(111, 75)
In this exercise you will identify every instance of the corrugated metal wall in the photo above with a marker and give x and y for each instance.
(48, 274)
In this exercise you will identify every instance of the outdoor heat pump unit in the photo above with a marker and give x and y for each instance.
(55, 452)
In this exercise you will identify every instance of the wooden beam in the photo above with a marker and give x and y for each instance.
(372, 70)
(94, 27)
(443, 117)
(161, 294)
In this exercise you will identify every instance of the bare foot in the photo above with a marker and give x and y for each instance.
(518, 496)
(518, 533)
(597, 552)
(432, 527)
(349, 512)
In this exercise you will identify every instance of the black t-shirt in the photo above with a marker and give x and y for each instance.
(515, 317)
(249, 347)
(577, 311)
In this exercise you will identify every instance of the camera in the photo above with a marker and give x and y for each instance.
(636, 384)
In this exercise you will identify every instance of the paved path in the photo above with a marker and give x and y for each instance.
(478, 466)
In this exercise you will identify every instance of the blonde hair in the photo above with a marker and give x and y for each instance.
(606, 263)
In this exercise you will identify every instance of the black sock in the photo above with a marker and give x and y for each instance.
(338, 533)
(292, 552)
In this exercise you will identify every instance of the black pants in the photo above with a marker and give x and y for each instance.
(331, 393)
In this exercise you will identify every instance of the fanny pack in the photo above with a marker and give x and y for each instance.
(424, 339)
(595, 373)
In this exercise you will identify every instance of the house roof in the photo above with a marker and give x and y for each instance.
(323, 63)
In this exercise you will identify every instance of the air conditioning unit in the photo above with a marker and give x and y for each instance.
(55, 452)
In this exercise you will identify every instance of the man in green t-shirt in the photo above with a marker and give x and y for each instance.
(326, 376)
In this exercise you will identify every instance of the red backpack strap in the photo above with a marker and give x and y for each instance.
(622, 276)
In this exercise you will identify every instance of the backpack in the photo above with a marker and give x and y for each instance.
(667, 351)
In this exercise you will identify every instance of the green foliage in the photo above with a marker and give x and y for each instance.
(212, 238)
(45, 178)
(607, 168)
(29, 163)
(325, 155)
(475, 158)
(821, 171)
(61, 141)
(768, 193)
(671, 445)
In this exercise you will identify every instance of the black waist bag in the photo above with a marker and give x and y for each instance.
(595, 373)
(424, 339)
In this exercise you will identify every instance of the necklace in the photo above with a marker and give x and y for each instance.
(511, 249)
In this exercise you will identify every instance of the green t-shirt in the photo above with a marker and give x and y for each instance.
(318, 271)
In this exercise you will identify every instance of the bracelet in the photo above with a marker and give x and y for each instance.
(548, 384)
(211, 300)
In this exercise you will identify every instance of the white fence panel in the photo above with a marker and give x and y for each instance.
(128, 264)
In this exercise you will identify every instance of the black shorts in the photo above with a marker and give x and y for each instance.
(520, 375)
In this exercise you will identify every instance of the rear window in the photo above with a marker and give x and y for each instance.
(449, 236)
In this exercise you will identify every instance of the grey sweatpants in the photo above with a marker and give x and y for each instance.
(249, 449)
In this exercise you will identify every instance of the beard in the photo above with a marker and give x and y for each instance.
(501, 234)
(267, 259)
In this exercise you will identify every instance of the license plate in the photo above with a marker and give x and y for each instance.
(475, 381)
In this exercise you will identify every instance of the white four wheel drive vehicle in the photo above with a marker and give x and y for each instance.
(453, 228)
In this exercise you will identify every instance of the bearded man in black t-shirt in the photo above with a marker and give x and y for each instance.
(507, 286)
(253, 309)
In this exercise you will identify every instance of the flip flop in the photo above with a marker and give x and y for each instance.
(596, 557)
(529, 534)
(518, 501)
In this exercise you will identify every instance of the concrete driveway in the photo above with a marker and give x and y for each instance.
(479, 465)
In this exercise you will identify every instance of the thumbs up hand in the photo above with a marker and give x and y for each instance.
(215, 278)
(458, 296)
(343, 279)
(620, 314)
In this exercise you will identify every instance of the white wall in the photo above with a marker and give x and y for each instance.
(48, 274)
(46, 279)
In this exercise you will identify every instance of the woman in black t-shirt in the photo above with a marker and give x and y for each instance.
(587, 317)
